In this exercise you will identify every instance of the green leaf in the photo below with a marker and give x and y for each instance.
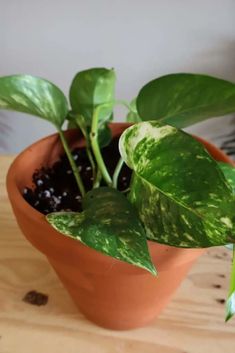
(91, 88)
(133, 116)
(179, 191)
(72, 124)
(104, 135)
(108, 224)
(184, 99)
(230, 303)
(33, 95)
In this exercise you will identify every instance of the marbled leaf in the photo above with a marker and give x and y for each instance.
(33, 95)
(185, 99)
(108, 224)
(230, 303)
(182, 196)
(229, 173)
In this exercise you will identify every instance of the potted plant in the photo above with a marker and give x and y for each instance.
(145, 193)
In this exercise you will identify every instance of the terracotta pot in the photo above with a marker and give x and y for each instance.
(111, 293)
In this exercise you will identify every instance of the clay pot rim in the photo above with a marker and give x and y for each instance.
(37, 217)
(11, 179)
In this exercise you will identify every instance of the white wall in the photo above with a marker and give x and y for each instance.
(141, 39)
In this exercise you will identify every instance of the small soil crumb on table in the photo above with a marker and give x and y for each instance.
(221, 301)
(35, 298)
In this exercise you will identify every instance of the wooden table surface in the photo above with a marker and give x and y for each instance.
(192, 323)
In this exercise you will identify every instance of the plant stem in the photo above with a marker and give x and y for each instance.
(72, 163)
(89, 155)
(95, 145)
(117, 172)
(97, 180)
(96, 149)
(88, 146)
(93, 167)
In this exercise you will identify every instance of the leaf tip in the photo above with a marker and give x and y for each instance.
(152, 269)
(228, 316)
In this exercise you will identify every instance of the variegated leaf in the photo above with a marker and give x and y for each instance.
(229, 172)
(108, 224)
(230, 303)
(180, 192)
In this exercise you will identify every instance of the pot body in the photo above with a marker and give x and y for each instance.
(111, 293)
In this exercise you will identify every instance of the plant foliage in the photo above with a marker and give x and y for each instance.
(179, 195)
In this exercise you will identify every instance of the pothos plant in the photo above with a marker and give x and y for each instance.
(178, 196)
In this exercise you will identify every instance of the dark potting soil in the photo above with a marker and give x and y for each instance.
(54, 188)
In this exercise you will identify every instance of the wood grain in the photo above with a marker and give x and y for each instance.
(192, 323)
